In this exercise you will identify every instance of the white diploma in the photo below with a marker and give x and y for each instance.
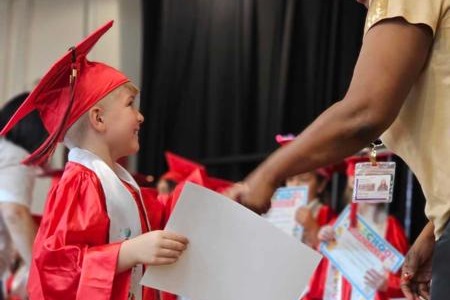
(233, 253)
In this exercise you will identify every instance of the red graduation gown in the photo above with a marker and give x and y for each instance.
(395, 235)
(158, 216)
(72, 258)
(325, 215)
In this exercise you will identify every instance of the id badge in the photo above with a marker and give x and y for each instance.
(374, 183)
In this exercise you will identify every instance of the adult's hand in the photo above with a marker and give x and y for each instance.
(255, 192)
(416, 271)
(392, 57)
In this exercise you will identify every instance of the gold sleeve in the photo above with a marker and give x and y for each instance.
(427, 12)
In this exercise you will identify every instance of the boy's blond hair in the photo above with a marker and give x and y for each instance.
(76, 132)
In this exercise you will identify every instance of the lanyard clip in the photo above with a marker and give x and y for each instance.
(373, 151)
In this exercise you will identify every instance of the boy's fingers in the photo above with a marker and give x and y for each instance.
(368, 276)
(370, 283)
(175, 237)
(328, 236)
(173, 245)
(375, 274)
(169, 253)
(159, 261)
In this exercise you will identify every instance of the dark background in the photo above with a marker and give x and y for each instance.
(222, 78)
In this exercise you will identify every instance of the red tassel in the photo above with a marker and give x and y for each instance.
(46, 150)
(353, 215)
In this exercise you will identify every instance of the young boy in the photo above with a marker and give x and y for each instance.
(95, 236)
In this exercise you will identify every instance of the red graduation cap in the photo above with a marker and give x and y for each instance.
(179, 167)
(201, 177)
(68, 90)
(363, 157)
(182, 169)
(326, 172)
(217, 184)
(197, 176)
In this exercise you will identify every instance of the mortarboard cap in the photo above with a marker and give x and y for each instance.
(364, 157)
(179, 167)
(68, 90)
(283, 140)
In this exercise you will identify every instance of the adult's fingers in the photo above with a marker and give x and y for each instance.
(259, 208)
(424, 290)
(235, 191)
(409, 289)
(410, 266)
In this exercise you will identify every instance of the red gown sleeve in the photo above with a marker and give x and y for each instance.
(72, 258)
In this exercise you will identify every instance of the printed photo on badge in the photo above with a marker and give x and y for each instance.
(374, 183)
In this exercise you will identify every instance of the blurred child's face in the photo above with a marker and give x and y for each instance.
(311, 180)
(163, 187)
(350, 181)
(122, 121)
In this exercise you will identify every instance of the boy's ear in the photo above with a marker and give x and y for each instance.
(96, 119)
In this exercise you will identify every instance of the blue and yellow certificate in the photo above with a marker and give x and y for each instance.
(357, 250)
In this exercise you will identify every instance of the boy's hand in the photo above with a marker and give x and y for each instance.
(305, 218)
(326, 234)
(158, 247)
(376, 280)
(153, 248)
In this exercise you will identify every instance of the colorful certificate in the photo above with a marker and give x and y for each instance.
(357, 250)
(285, 203)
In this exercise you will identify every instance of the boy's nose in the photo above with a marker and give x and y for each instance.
(140, 117)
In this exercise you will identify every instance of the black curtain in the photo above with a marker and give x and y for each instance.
(326, 40)
(222, 78)
(211, 81)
